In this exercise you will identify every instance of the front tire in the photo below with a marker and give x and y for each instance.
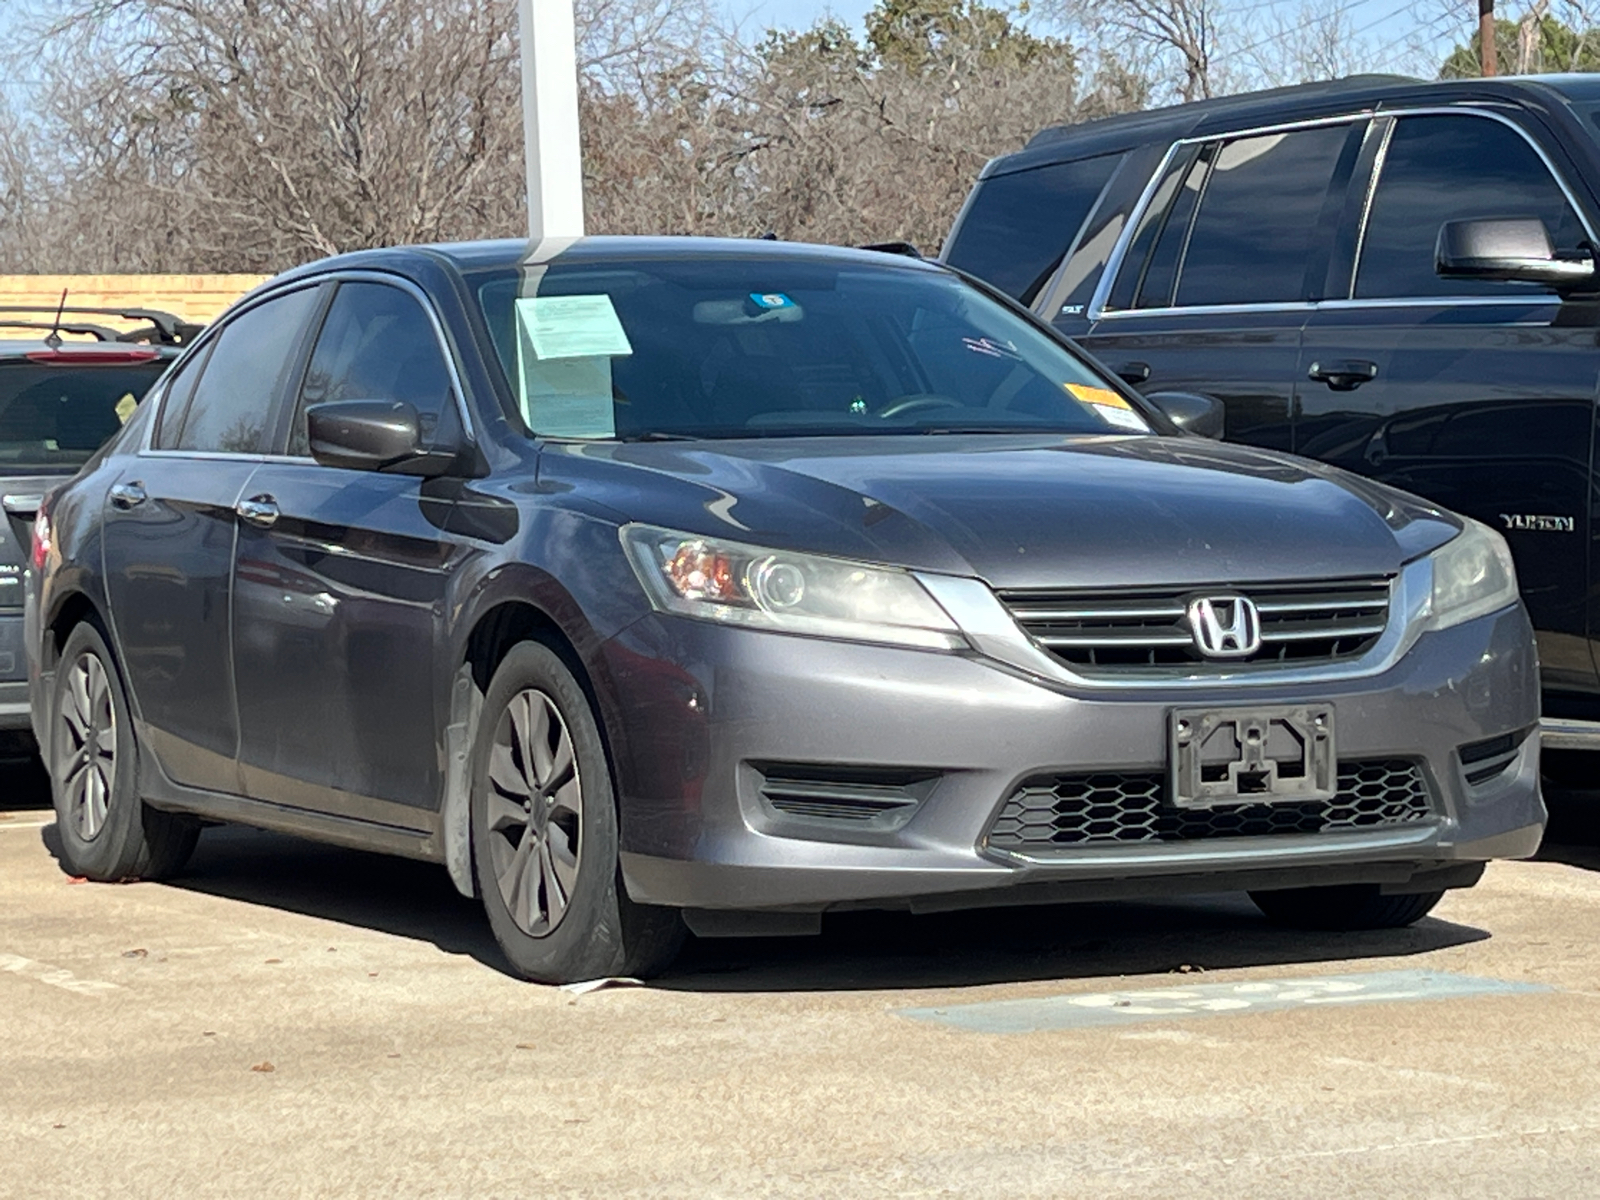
(545, 833)
(1352, 907)
(106, 832)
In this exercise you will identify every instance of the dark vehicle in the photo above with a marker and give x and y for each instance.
(653, 583)
(1392, 276)
(60, 400)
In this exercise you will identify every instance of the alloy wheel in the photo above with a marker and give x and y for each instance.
(535, 812)
(88, 745)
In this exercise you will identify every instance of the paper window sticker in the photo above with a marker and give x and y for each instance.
(1121, 418)
(560, 327)
(1097, 395)
(125, 407)
(568, 397)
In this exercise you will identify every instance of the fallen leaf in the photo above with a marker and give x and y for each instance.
(208, 1033)
(274, 960)
(396, 1055)
(372, 974)
(265, 1068)
(527, 1045)
(140, 952)
(58, 1127)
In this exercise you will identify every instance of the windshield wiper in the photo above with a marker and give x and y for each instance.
(660, 435)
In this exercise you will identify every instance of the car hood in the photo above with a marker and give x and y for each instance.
(1018, 511)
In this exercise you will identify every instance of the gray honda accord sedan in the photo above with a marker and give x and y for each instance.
(667, 585)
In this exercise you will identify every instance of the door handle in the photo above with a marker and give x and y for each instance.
(1344, 376)
(127, 495)
(260, 511)
(1133, 373)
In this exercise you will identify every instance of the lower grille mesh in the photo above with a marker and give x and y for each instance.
(1119, 807)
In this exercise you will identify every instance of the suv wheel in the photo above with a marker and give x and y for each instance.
(1354, 906)
(545, 833)
(107, 833)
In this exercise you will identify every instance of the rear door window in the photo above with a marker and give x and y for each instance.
(231, 410)
(1257, 216)
(1019, 226)
(1451, 168)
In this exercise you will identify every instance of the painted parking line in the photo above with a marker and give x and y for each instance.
(1092, 1009)
(58, 977)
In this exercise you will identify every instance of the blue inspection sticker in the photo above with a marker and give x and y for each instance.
(770, 300)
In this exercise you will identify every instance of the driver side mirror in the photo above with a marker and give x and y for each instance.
(1509, 250)
(1193, 413)
(373, 435)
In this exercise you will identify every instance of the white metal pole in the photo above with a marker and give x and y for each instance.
(550, 119)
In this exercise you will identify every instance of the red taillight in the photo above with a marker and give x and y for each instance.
(41, 536)
(67, 357)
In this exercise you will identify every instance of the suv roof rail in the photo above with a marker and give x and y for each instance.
(162, 328)
(902, 248)
(1323, 87)
(100, 333)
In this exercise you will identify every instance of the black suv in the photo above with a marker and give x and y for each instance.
(1393, 276)
(60, 399)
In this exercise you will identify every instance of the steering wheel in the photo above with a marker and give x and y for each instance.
(915, 403)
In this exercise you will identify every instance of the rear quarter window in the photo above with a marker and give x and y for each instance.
(1018, 227)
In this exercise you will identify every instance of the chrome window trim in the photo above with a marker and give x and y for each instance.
(1378, 159)
(352, 275)
(1113, 266)
(994, 633)
(1098, 312)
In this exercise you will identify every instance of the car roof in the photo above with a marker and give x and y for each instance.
(514, 252)
(1107, 135)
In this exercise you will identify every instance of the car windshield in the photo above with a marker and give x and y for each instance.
(54, 417)
(771, 346)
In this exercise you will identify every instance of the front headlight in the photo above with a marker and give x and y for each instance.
(1472, 577)
(716, 580)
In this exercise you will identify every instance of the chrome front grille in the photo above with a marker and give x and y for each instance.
(1303, 623)
(1106, 808)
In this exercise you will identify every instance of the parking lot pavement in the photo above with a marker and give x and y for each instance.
(293, 1019)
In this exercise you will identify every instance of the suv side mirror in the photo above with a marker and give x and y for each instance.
(372, 435)
(1191, 412)
(1508, 249)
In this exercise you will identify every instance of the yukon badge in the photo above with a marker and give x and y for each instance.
(1225, 626)
(1533, 523)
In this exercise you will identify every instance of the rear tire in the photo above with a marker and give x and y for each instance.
(106, 832)
(1351, 907)
(545, 833)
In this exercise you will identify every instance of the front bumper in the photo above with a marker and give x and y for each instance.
(704, 709)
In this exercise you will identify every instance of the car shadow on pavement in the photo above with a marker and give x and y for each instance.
(1190, 935)
(399, 896)
(860, 950)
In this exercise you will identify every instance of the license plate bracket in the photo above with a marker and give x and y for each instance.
(1264, 755)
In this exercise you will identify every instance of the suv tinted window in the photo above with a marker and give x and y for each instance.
(1449, 168)
(1257, 218)
(55, 416)
(1020, 225)
(377, 343)
(176, 403)
(233, 401)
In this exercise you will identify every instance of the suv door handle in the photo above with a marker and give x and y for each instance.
(1344, 376)
(1133, 373)
(127, 495)
(261, 511)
